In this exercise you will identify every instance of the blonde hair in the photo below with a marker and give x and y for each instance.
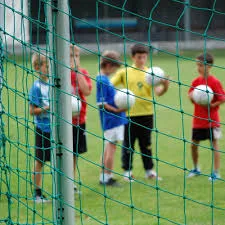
(110, 57)
(38, 60)
(73, 49)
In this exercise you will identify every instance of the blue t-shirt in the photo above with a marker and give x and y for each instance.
(105, 94)
(39, 96)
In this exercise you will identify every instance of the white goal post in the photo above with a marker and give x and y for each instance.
(15, 24)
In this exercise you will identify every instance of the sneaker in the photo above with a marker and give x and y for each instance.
(129, 178)
(76, 191)
(111, 182)
(153, 175)
(193, 173)
(214, 176)
(41, 199)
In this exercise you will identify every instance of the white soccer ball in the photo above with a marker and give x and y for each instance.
(124, 99)
(202, 95)
(76, 105)
(154, 75)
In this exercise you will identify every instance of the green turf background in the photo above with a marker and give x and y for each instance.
(176, 200)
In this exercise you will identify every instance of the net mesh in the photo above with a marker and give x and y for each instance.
(175, 199)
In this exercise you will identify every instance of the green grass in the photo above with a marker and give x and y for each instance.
(175, 200)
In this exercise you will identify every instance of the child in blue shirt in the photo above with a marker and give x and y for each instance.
(39, 108)
(112, 118)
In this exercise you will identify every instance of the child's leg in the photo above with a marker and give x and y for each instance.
(79, 143)
(111, 136)
(216, 156)
(144, 131)
(146, 150)
(194, 153)
(37, 177)
(109, 154)
(108, 162)
(74, 164)
(42, 154)
(75, 147)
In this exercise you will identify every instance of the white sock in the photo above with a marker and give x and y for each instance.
(150, 173)
(127, 173)
(104, 177)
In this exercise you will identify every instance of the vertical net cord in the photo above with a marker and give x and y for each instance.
(26, 53)
(181, 109)
(4, 167)
(211, 135)
(103, 143)
(131, 203)
(6, 163)
(154, 109)
(79, 182)
(51, 8)
(131, 151)
(50, 50)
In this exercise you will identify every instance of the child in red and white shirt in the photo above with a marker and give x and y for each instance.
(81, 86)
(206, 121)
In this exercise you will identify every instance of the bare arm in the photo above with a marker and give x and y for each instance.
(217, 103)
(83, 84)
(190, 97)
(162, 89)
(212, 105)
(34, 110)
(221, 96)
(111, 108)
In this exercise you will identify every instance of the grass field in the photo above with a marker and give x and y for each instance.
(174, 200)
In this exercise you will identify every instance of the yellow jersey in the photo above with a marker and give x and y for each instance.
(134, 80)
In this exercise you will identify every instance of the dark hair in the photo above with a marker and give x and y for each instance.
(111, 58)
(137, 48)
(206, 57)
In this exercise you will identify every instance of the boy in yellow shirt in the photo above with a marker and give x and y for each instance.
(141, 114)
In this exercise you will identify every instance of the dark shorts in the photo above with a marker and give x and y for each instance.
(43, 145)
(205, 134)
(79, 139)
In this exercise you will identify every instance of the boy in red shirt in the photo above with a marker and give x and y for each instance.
(206, 121)
(81, 86)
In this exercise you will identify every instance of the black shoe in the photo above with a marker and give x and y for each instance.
(111, 182)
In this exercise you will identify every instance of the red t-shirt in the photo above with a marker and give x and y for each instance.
(76, 91)
(203, 114)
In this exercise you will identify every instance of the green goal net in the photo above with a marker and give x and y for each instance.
(96, 26)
